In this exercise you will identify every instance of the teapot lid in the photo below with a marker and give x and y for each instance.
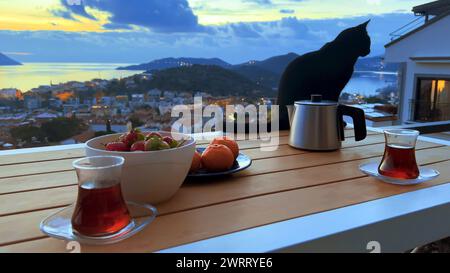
(316, 99)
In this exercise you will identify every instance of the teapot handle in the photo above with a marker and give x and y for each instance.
(359, 121)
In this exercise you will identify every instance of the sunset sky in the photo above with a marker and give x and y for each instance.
(139, 30)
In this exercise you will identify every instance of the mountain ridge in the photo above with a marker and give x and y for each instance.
(171, 62)
(275, 64)
(5, 60)
(264, 73)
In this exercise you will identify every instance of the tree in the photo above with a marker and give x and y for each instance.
(135, 121)
(374, 99)
(62, 128)
(27, 132)
(108, 126)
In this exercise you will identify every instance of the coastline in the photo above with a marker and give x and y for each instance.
(33, 74)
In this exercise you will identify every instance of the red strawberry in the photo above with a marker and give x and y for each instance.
(138, 146)
(117, 147)
(129, 138)
(168, 139)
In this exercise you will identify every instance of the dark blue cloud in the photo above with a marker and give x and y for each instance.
(287, 11)
(77, 9)
(245, 30)
(259, 2)
(160, 16)
(63, 14)
(115, 26)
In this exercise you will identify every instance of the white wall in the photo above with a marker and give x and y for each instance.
(432, 41)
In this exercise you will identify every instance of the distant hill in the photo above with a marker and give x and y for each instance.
(5, 60)
(266, 72)
(192, 73)
(215, 80)
(175, 62)
(258, 75)
(276, 64)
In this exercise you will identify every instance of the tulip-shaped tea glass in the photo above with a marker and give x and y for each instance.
(399, 160)
(100, 209)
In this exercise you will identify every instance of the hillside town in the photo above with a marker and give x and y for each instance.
(94, 107)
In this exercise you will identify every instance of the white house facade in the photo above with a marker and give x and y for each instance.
(424, 75)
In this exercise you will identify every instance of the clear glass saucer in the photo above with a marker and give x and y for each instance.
(426, 174)
(59, 225)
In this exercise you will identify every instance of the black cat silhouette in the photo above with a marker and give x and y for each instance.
(326, 71)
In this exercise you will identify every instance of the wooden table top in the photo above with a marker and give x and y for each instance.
(280, 185)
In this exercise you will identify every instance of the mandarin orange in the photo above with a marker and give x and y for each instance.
(217, 157)
(230, 143)
(196, 162)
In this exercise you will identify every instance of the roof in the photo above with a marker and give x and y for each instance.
(46, 116)
(431, 59)
(427, 24)
(433, 8)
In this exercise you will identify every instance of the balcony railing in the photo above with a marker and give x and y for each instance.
(427, 111)
(416, 23)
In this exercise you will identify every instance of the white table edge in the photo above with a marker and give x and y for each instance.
(392, 224)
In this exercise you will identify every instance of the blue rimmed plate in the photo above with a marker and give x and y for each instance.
(242, 162)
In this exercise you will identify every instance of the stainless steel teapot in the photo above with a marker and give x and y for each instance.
(318, 125)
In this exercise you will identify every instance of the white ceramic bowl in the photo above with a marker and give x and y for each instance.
(149, 177)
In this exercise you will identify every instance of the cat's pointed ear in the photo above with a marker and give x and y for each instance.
(364, 25)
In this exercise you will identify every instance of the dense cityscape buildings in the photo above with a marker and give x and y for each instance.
(94, 106)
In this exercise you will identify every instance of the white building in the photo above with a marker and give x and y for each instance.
(32, 102)
(76, 85)
(8, 93)
(168, 95)
(154, 93)
(56, 103)
(424, 55)
(107, 100)
(137, 98)
(45, 116)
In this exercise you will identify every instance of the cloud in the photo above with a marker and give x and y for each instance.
(287, 11)
(159, 16)
(259, 2)
(75, 9)
(244, 30)
(18, 53)
(286, 28)
(63, 14)
(237, 42)
(115, 26)
(374, 2)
